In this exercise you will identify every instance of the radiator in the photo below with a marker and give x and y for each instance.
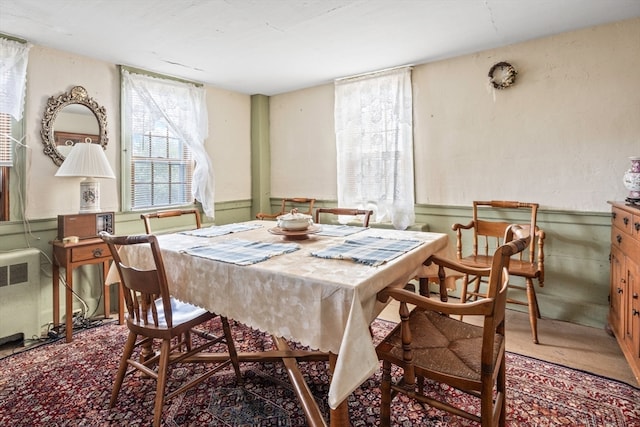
(19, 295)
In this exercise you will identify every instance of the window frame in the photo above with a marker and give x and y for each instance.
(11, 181)
(12, 177)
(128, 158)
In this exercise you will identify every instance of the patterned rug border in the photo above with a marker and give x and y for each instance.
(38, 393)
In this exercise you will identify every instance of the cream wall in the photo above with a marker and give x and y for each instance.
(561, 136)
(52, 72)
(229, 143)
(303, 149)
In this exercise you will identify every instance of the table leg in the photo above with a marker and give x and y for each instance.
(340, 415)
(68, 307)
(106, 287)
(309, 405)
(56, 295)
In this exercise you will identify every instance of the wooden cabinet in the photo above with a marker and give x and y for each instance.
(624, 296)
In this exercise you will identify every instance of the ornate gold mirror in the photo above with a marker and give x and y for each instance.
(69, 118)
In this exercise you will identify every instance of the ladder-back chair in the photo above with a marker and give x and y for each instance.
(485, 232)
(430, 344)
(364, 215)
(154, 315)
(304, 205)
(150, 218)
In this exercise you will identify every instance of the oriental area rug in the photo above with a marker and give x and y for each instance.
(62, 384)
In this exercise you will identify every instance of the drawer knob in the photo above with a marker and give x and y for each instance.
(625, 220)
(635, 295)
(614, 215)
(637, 225)
(619, 238)
(619, 290)
(97, 252)
(635, 312)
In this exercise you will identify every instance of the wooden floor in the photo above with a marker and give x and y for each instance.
(579, 347)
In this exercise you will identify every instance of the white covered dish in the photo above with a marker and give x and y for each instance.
(294, 221)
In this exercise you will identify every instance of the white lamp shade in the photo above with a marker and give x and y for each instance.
(86, 160)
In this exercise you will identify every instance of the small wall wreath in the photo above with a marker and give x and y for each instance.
(502, 75)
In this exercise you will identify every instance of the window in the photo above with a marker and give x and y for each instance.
(164, 162)
(161, 165)
(14, 56)
(374, 141)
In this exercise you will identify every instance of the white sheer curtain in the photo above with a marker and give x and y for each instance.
(183, 106)
(14, 57)
(374, 137)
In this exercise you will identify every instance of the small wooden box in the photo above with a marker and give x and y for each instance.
(85, 226)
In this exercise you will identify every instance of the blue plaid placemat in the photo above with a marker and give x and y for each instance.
(220, 230)
(338, 230)
(369, 250)
(241, 252)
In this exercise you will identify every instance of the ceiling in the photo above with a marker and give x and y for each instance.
(274, 46)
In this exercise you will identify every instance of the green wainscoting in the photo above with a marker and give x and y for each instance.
(576, 285)
(576, 255)
(37, 234)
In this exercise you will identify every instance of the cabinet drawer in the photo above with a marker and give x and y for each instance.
(100, 250)
(623, 220)
(629, 245)
(635, 226)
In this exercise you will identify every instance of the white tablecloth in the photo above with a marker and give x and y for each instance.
(326, 304)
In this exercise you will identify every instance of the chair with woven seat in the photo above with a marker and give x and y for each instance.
(153, 315)
(151, 217)
(364, 215)
(429, 344)
(485, 232)
(302, 204)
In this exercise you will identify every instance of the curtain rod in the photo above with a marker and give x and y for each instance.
(158, 75)
(13, 38)
(373, 73)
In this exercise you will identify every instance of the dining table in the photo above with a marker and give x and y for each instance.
(316, 287)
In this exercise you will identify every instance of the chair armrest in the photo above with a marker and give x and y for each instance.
(456, 266)
(456, 227)
(481, 307)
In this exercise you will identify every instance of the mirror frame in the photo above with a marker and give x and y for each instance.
(77, 95)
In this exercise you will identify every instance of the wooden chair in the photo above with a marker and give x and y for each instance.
(345, 211)
(428, 344)
(303, 204)
(154, 315)
(172, 213)
(487, 234)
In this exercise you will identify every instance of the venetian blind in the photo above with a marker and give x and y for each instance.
(6, 158)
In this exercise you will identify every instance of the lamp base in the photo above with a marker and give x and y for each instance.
(89, 196)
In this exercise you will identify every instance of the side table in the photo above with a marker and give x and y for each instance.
(70, 256)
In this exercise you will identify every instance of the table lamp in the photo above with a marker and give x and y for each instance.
(87, 160)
